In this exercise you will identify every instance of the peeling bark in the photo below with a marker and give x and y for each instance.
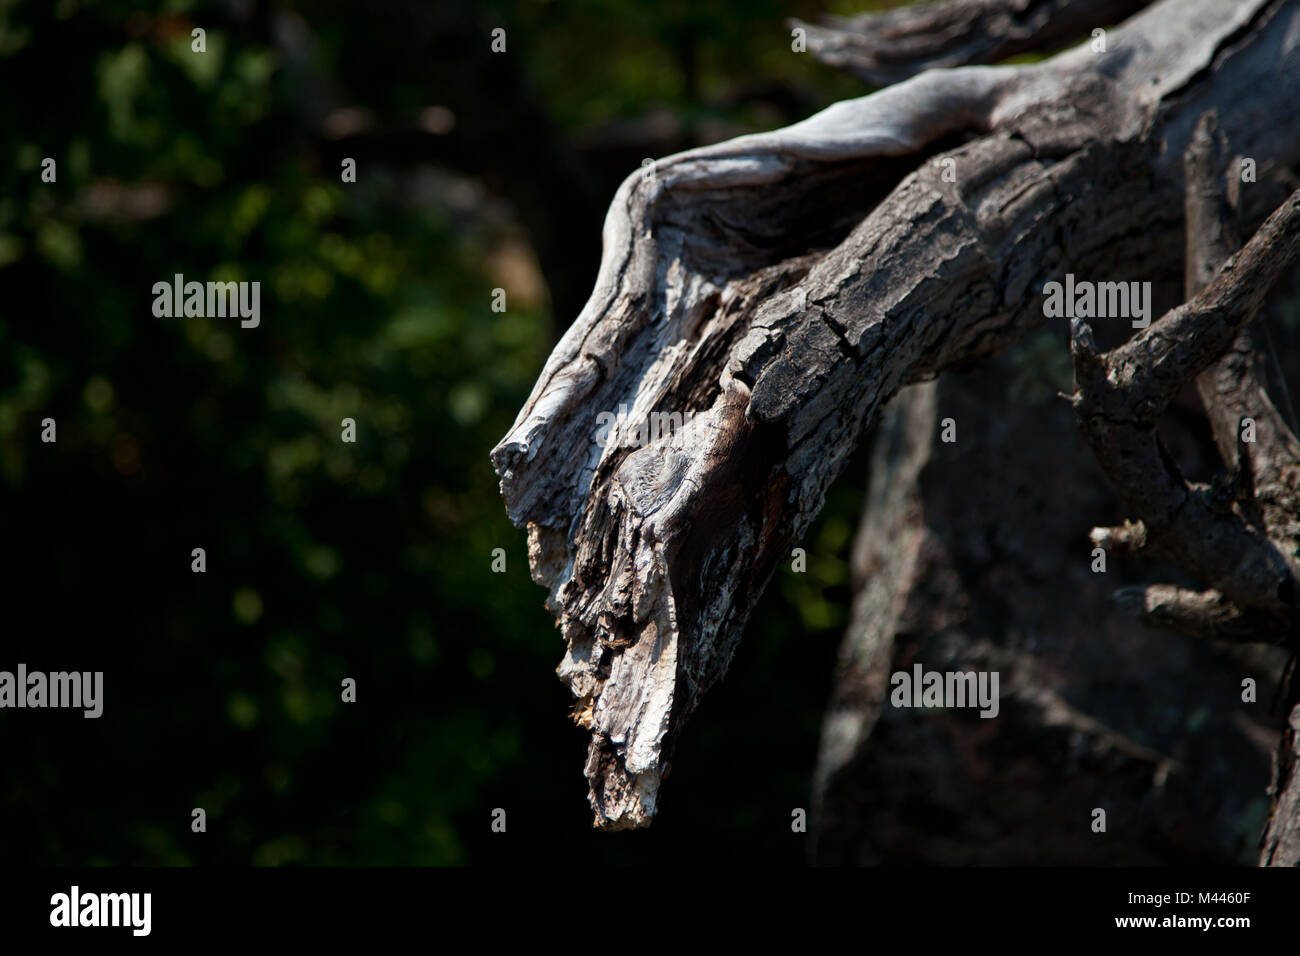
(782, 287)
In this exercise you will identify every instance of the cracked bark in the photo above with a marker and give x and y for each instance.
(1123, 393)
(1241, 535)
(782, 287)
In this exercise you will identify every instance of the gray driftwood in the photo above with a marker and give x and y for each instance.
(783, 286)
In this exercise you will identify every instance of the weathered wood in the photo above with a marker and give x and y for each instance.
(1280, 844)
(779, 288)
(1242, 544)
(1124, 392)
(1096, 709)
(885, 48)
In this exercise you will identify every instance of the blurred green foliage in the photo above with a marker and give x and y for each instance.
(325, 560)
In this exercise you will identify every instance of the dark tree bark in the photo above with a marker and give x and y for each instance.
(1239, 536)
(781, 288)
(979, 560)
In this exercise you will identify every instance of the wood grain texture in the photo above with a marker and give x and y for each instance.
(781, 287)
(888, 47)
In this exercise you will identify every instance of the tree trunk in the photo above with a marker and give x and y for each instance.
(979, 552)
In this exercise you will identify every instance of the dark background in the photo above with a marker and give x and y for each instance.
(328, 560)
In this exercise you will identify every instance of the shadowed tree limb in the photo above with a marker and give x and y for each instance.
(1123, 393)
(1244, 547)
(885, 48)
(1280, 844)
(1233, 390)
(884, 562)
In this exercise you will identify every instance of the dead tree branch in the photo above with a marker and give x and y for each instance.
(886, 48)
(1123, 393)
(1244, 544)
(775, 290)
